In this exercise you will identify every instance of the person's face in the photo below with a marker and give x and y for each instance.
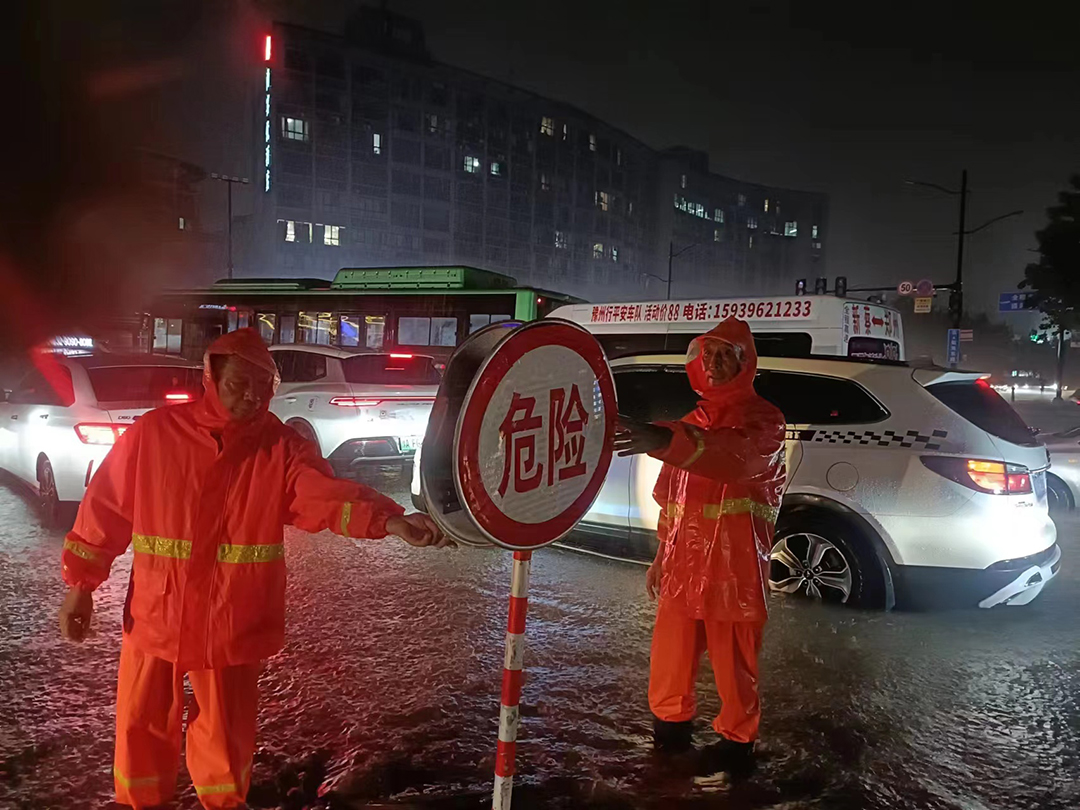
(243, 388)
(722, 361)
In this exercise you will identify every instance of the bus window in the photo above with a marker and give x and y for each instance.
(243, 319)
(477, 322)
(350, 330)
(267, 323)
(233, 318)
(288, 329)
(374, 331)
(427, 331)
(317, 328)
(167, 334)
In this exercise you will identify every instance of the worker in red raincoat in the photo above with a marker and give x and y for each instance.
(719, 493)
(200, 492)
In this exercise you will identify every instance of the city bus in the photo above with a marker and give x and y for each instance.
(386, 309)
(783, 326)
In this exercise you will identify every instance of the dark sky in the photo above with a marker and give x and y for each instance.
(849, 99)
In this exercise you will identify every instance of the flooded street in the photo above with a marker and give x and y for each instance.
(387, 691)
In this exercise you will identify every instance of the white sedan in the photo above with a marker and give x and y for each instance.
(62, 419)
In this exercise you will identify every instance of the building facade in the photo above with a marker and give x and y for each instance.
(370, 153)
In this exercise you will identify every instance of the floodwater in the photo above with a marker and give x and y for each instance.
(387, 691)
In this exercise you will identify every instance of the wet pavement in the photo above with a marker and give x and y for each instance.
(387, 691)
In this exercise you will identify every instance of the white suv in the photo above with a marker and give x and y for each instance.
(360, 408)
(63, 418)
(910, 485)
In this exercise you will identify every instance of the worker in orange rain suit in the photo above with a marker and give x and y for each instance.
(719, 493)
(201, 491)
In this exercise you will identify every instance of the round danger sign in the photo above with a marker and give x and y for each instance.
(534, 438)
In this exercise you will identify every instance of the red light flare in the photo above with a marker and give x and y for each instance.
(268, 48)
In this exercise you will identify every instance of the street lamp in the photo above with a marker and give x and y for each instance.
(231, 181)
(961, 233)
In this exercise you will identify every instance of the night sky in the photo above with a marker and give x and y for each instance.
(839, 98)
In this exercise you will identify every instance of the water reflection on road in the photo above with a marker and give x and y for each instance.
(387, 691)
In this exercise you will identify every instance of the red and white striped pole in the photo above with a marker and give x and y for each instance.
(509, 713)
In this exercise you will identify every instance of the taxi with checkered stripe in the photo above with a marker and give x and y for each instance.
(906, 485)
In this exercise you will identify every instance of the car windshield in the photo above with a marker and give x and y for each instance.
(391, 369)
(981, 405)
(145, 383)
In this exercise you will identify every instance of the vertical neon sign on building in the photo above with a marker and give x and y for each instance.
(266, 118)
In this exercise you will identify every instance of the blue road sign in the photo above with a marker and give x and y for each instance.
(1014, 301)
(953, 347)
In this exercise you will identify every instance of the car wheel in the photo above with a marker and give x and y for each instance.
(1058, 497)
(824, 558)
(305, 430)
(48, 496)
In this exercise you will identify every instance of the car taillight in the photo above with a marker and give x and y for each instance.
(103, 433)
(402, 356)
(993, 477)
(354, 402)
(179, 396)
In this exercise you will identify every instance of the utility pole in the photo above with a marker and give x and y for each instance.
(672, 253)
(231, 182)
(958, 311)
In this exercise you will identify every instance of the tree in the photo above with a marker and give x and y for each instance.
(1055, 278)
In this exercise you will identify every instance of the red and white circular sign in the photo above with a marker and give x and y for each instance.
(534, 437)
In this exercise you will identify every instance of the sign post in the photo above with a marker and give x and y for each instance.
(531, 412)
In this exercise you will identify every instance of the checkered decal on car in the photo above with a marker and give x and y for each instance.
(888, 438)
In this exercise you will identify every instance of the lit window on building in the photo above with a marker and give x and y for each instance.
(813, 231)
(777, 207)
(682, 182)
(183, 225)
(791, 229)
(376, 143)
(560, 239)
(472, 164)
(751, 222)
(618, 156)
(547, 125)
(630, 209)
(433, 123)
(718, 235)
(598, 250)
(718, 215)
(294, 129)
(817, 245)
(496, 168)
(592, 142)
(603, 200)
(332, 235)
(614, 253)
(545, 183)
(290, 230)
(699, 210)
(766, 205)
(742, 200)
(565, 132)
(751, 241)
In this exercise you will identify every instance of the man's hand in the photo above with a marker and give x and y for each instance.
(633, 436)
(653, 579)
(418, 530)
(75, 614)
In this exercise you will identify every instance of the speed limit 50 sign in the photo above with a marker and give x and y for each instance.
(534, 438)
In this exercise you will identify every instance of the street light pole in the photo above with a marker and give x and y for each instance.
(231, 182)
(670, 258)
(958, 312)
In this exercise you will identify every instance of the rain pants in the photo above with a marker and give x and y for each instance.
(202, 501)
(719, 493)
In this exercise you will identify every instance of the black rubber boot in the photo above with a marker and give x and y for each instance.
(736, 758)
(672, 738)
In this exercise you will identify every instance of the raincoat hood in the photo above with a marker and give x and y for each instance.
(246, 344)
(731, 331)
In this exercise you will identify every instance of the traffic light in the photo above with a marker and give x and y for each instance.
(841, 287)
(954, 304)
(821, 286)
(800, 287)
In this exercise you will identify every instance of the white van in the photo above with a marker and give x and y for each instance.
(783, 326)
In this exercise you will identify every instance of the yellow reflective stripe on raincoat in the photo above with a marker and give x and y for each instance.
(84, 551)
(731, 506)
(161, 546)
(208, 790)
(231, 553)
(140, 781)
(346, 516)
